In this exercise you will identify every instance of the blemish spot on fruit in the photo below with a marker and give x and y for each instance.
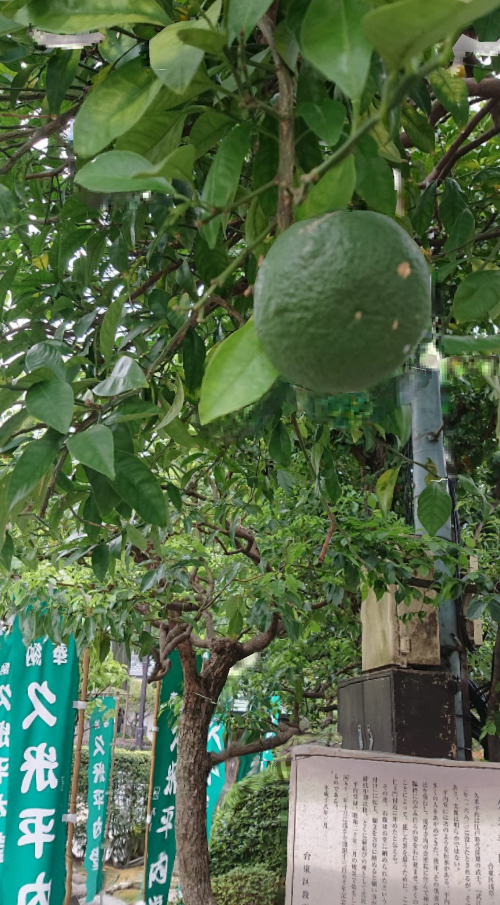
(395, 325)
(358, 315)
(404, 269)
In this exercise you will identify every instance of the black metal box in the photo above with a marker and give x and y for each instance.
(401, 711)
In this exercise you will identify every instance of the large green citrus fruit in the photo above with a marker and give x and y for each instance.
(341, 301)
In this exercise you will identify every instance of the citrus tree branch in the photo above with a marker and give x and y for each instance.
(56, 125)
(286, 129)
(262, 744)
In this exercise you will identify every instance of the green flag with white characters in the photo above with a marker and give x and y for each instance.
(102, 728)
(5, 714)
(217, 775)
(44, 683)
(161, 836)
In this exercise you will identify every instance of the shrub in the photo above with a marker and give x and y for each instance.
(129, 802)
(246, 886)
(249, 826)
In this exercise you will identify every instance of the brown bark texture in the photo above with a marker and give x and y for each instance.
(193, 766)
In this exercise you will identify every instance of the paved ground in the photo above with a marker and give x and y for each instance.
(112, 877)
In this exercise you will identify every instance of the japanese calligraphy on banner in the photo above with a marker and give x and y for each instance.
(217, 775)
(100, 754)
(44, 682)
(161, 836)
(377, 829)
(5, 714)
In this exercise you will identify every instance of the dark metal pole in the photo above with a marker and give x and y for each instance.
(139, 732)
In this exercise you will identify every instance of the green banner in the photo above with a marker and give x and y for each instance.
(102, 728)
(249, 765)
(44, 682)
(5, 712)
(217, 775)
(161, 836)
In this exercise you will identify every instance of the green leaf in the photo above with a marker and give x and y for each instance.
(451, 92)
(385, 489)
(223, 178)
(139, 488)
(137, 538)
(477, 294)
(100, 561)
(494, 609)
(6, 282)
(114, 107)
(462, 232)
(9, 208)
(175, 496)
(31, 467)
(208, 129)
(44, 355)
(287, 44)
(193, 359)
(108, 329)
(237, 374)
(69, 17)
(453, 202)
(434, 507)
(423, 214)
(126, 375)
(199, 34)
(375, 183)
(476, 608)
(51, 401)
(175, 409)
(333, 191)
(174, 62)
(94, 447)
(61, 71)
(118, 255)
(325, 119)
(331, 478)
(117, 171)
(243, 16)
(178, 165)
(162, 135)
(418, 129)
(332, 39)
(7, 552)
(471, 345)
(210, 262)
(280, 446)
(402, 30)
(10, 426)
(105, 497)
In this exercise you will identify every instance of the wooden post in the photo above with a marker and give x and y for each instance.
(74, 780)
(151, 780)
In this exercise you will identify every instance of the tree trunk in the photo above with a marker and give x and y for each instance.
(494, 702)
(193, 767)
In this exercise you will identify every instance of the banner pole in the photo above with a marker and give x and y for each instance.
(151, 780)
(74, 779)
(111, 779)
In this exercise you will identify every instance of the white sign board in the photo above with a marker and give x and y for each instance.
(136, 668)
(377, 829)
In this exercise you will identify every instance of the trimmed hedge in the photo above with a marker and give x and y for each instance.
(129, 802)
(246, 886)
(250, 825)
